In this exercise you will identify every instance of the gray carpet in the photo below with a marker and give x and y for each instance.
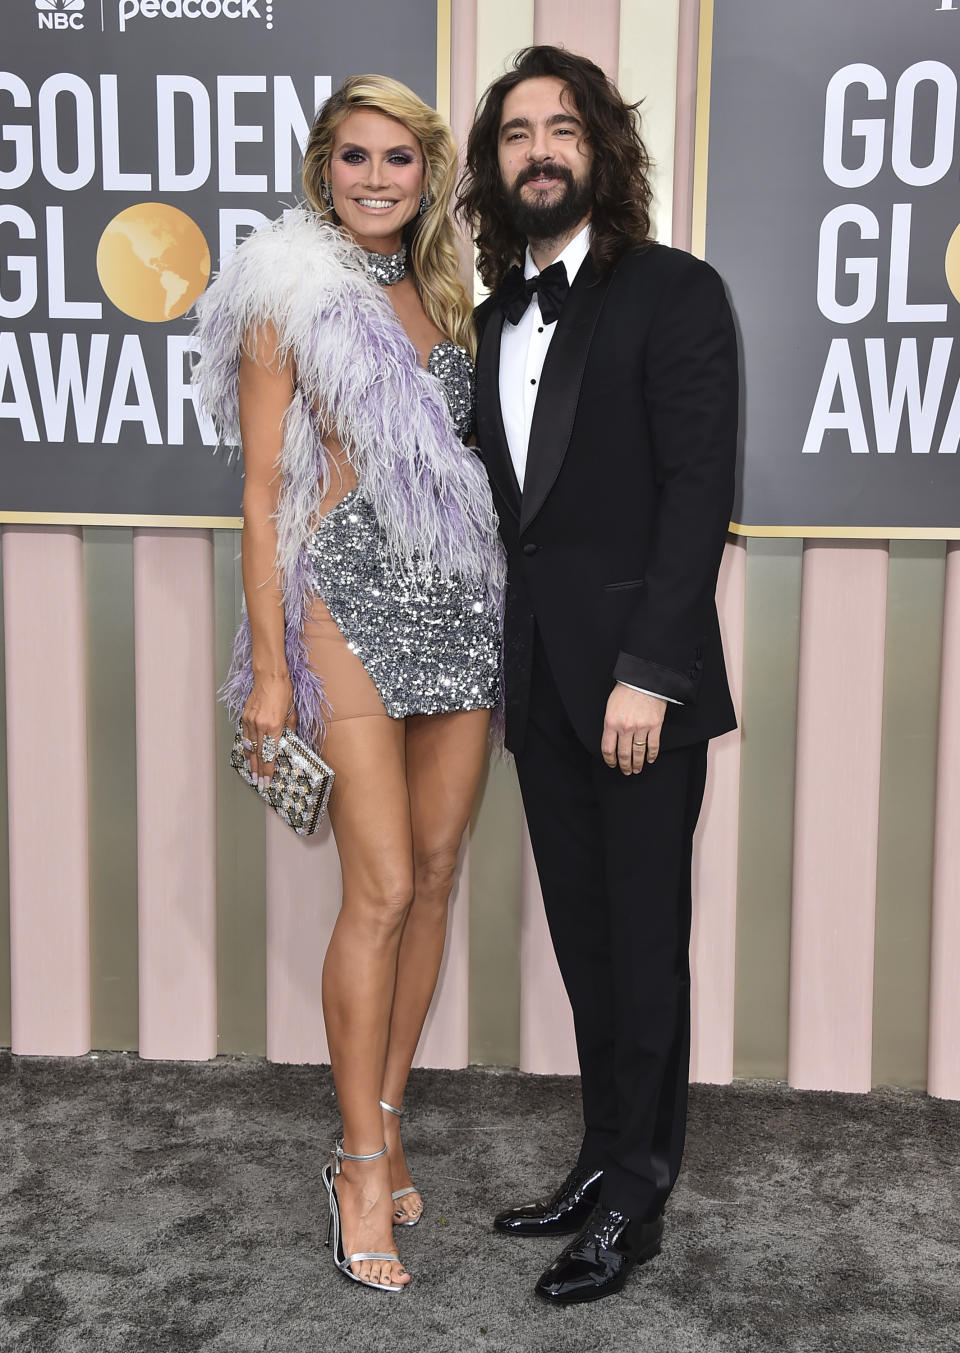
(178, 1208)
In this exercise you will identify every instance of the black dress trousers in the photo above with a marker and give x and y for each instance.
(613, 853)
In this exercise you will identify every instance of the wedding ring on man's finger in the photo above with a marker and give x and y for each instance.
(268, 748)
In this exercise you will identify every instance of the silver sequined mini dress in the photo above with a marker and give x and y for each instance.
(430, 644)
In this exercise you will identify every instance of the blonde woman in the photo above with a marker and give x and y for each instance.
(336, 348)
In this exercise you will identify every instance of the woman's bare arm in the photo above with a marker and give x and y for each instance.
(266, 389)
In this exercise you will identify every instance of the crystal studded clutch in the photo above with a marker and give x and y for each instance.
(300, 786)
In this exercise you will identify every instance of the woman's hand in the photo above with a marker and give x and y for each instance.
(267, 712)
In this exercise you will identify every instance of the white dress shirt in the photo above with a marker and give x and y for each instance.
(523, 350)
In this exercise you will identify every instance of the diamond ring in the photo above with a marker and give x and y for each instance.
(268, 748)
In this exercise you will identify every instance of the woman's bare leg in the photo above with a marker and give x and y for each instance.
(445, 755)
(370, 815)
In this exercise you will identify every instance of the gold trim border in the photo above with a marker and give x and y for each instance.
(849, 532)
(117, 519)
(236, 523)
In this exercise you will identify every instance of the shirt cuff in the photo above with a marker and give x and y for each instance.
(656, 694)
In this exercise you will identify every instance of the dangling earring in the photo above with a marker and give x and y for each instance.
(326, 194)
(423, 205)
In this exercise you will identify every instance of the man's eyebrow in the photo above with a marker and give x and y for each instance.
(514, 124)
(554, 120)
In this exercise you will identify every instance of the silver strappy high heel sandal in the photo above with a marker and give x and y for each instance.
(402, 1193)
(343, 1261)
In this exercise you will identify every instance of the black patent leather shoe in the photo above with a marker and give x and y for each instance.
(561, 1215)
(597, 1262)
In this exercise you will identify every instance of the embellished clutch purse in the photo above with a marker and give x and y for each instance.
(300, 786)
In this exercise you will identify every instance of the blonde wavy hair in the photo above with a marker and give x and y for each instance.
(430, 237)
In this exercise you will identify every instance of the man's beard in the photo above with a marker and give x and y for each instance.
(548, 220)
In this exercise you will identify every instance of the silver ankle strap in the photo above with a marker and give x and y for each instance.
(342, 1155)
(390, 1109)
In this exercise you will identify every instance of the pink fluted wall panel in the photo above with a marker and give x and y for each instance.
(463, 67)
(47, 777)
(463, 98)
(713, 942)
(687, 56)
(589, 30)
(303, 899)
(445, 1035)
(944, 1055)
(303, 876)
(176, 822)
(839, 714)
(547, 1042)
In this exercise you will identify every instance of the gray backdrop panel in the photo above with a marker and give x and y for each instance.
(767, 195)
(305, 40)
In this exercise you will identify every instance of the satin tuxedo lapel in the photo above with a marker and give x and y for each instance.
(491, 435)
(559, 392)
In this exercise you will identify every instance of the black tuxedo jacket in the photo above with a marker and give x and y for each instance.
(614, 545)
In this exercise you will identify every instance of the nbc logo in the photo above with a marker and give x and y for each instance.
(60, 14)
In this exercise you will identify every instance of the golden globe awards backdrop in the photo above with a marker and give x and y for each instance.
(832, 210)
(139, 140)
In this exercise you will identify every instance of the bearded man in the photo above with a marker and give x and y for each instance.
(607, 397)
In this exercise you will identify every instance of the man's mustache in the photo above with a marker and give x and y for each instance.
(533, 171)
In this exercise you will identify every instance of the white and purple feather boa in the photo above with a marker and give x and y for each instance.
(353, 360)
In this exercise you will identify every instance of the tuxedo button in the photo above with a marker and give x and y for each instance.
(530, 548)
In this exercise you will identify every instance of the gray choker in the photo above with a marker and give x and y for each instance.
(386, 268)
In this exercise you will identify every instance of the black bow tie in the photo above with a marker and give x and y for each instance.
(551, 287)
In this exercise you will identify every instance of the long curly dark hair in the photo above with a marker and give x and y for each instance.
(620, 216)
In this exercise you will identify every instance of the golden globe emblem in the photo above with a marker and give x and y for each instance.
(952, 263)
(153, 261)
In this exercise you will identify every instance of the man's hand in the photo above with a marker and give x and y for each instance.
(631, 729)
